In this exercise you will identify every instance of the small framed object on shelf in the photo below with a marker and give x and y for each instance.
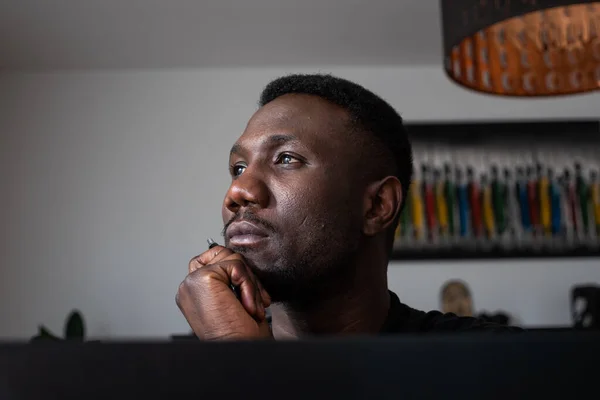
(495, 190)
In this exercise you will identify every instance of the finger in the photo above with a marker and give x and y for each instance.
(265, 329)
(194, 265)
(260, 310)
(214, 255)
(211, 256)
(259, 294)
(260, 307)
(246, 283)
(240, 277)
(265, 297)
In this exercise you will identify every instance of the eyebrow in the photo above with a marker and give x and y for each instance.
(270, 141)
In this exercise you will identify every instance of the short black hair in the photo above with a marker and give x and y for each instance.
(368, 114)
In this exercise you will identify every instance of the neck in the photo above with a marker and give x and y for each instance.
(360, 307)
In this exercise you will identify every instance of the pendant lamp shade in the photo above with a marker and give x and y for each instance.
(522, 47)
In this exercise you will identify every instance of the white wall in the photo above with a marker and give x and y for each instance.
(111, 181)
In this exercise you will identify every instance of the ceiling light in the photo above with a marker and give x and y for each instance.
(522, 47)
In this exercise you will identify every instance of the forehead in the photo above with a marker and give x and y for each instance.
(311, 119)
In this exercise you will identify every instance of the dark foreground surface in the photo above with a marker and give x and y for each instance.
(481, 366)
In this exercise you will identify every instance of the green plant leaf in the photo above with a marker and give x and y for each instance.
(75, 327)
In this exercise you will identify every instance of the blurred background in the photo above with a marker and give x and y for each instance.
(116, 119)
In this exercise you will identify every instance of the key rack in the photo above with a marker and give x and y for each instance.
(496, 190)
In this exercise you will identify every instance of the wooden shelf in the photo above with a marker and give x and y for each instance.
(462, 254)
(462, 145)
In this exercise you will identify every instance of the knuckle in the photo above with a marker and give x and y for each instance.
(192, 262)
(218, 250)
(181, 290)
(238, 264)
(181, 293)
(182, 287)
(197, 278)
(188, 284)
(204, 277)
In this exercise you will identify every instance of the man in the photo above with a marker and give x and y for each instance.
(319, 178)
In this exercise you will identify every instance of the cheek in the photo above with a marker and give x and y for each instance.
(295, 200)
(303, 202)
(315, 199)
(225, 213)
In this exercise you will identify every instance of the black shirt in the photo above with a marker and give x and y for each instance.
(403, 319)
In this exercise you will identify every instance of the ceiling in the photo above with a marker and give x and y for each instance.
(82, 34)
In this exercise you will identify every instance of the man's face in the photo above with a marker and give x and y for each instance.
(294, 207)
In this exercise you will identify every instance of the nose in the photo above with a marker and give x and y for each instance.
(248, 190)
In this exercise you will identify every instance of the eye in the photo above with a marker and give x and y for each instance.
(287, 159)
(237, 170)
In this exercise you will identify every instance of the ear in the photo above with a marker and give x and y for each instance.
(381, 205)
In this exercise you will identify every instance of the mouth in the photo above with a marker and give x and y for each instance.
(245, 234)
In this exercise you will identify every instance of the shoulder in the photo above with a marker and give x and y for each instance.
(403, 318)
(435, 321)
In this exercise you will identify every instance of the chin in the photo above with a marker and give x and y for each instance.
(282, 281)
(257, 259)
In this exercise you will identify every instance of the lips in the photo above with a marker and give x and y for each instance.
(245, 234)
